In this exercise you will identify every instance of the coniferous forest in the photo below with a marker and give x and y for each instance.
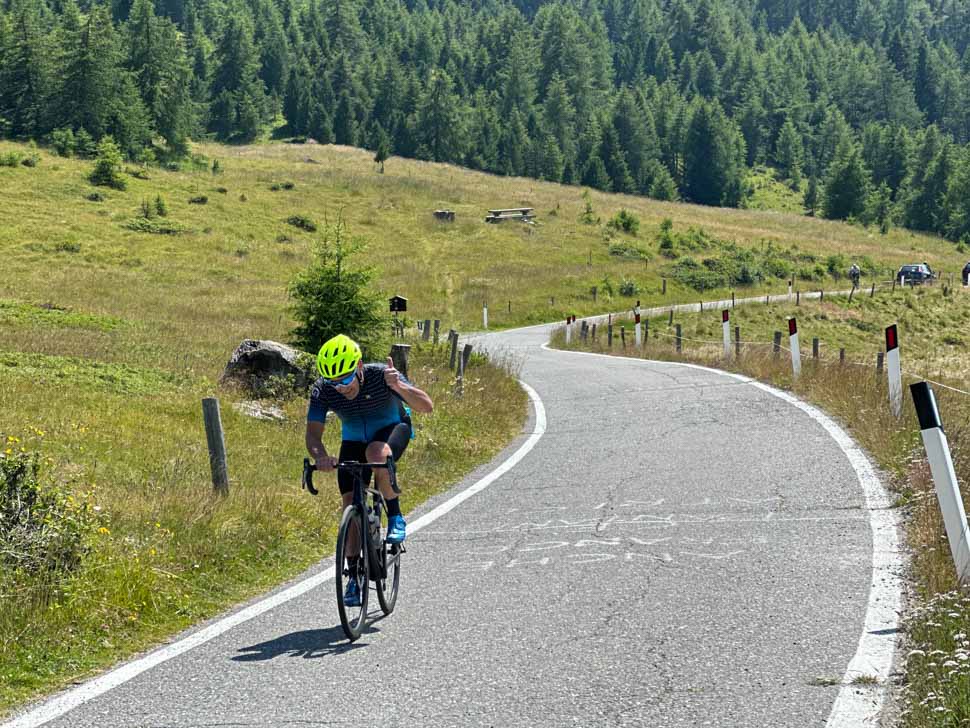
(862, 105)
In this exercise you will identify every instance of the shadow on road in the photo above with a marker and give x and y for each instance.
(309, 643)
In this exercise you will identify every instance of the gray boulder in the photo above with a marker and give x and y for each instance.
(269, 368)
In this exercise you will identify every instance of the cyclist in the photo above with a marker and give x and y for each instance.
(370, 401)
(854, 274)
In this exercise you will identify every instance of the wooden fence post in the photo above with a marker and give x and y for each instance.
(453, 336)
(437, 328)
(646, 330)
(663, 290)
(737, 341)
(880, 357)
(776, 346)
(399, 355)
(679, 343)
(217, 445)
(671, 321)
(426, 331)
(815, 347)
(842, 355)
(623, 336)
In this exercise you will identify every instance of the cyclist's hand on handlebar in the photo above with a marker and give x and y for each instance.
(325, 464)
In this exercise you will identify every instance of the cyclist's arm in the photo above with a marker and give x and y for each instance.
(415, 398)
(315, 446)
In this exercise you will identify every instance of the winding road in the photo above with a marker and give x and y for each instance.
(664, 545)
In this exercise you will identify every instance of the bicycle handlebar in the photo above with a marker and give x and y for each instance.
(352, 465)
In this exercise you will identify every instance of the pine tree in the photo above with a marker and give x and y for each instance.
(240, 99)
(26, 74)
(440, 122)
(381, 145)
(713, 157)
(811, 200)
(847, 184)
(788, 153)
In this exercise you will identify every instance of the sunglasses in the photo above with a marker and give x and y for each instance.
(341, 382)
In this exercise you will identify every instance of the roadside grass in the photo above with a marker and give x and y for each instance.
(770, 193)
(163, 552)
(935, 689)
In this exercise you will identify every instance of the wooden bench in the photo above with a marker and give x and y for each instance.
(522, 214)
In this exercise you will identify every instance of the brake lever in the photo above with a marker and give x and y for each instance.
(308, 469)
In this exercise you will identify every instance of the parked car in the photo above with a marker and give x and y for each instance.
(916, 274)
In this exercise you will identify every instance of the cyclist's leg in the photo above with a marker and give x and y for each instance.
(345, 481)
(390, 441)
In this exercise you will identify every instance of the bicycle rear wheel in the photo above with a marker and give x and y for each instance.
(352, 618)
(390, 554)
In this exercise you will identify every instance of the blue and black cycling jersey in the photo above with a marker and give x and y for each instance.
(375, 407)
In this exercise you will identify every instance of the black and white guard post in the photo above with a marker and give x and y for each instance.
(726, 325)
(636, 319)
(944, 478)
(796, 354)
(790, 282)
(569, 330)
(894, 371)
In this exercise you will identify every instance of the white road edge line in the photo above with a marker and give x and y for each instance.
(856, 704)
(67, 701)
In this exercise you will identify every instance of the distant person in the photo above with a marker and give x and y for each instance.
(854, 274)
(369, 399)
(966, 274)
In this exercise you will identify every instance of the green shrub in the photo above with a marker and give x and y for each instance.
(699, 277)
(63, 142)
(10, 159)
(625, 221)
(67, 246)
(43, 528)
(629, 251)
(198, 200)
(147, 209)
(304, 223)
(95, 197)
(216, 167)
(31, 160)
(108, 166)
(629, 287)
(145, 225)
(160, 207)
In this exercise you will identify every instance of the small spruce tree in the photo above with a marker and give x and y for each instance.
(108, 165)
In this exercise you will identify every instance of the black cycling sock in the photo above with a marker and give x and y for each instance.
(352, 566)
(393, 507)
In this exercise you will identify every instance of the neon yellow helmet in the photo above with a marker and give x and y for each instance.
(338, 357)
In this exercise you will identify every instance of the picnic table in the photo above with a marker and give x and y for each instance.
(522, 214)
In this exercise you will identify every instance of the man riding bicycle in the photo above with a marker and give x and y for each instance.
(370, 401)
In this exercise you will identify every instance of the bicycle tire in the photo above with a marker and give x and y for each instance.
(387, 587)
(352, 619)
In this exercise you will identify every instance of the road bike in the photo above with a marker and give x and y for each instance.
(363, 532)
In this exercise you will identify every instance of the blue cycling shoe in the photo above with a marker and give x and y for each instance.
(396, 529)
(352, 593)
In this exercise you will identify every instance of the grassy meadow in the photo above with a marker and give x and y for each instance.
(110, 336)
(934, 691)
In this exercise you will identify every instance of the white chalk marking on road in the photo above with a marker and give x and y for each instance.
(874, 656)
(67, 701)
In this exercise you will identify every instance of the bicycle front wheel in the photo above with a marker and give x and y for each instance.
(390, 578)
(353, 616)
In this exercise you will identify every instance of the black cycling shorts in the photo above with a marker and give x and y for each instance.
(397, 436)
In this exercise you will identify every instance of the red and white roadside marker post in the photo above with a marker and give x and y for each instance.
(636, 318)
(569, 330)
(485, 313)
(894, 371)
(790, 282)
(796, 354)
(726, 325)
(944, 478)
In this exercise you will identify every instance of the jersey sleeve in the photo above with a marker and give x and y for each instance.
(317, 411)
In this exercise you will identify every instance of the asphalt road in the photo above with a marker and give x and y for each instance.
(678, 549)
